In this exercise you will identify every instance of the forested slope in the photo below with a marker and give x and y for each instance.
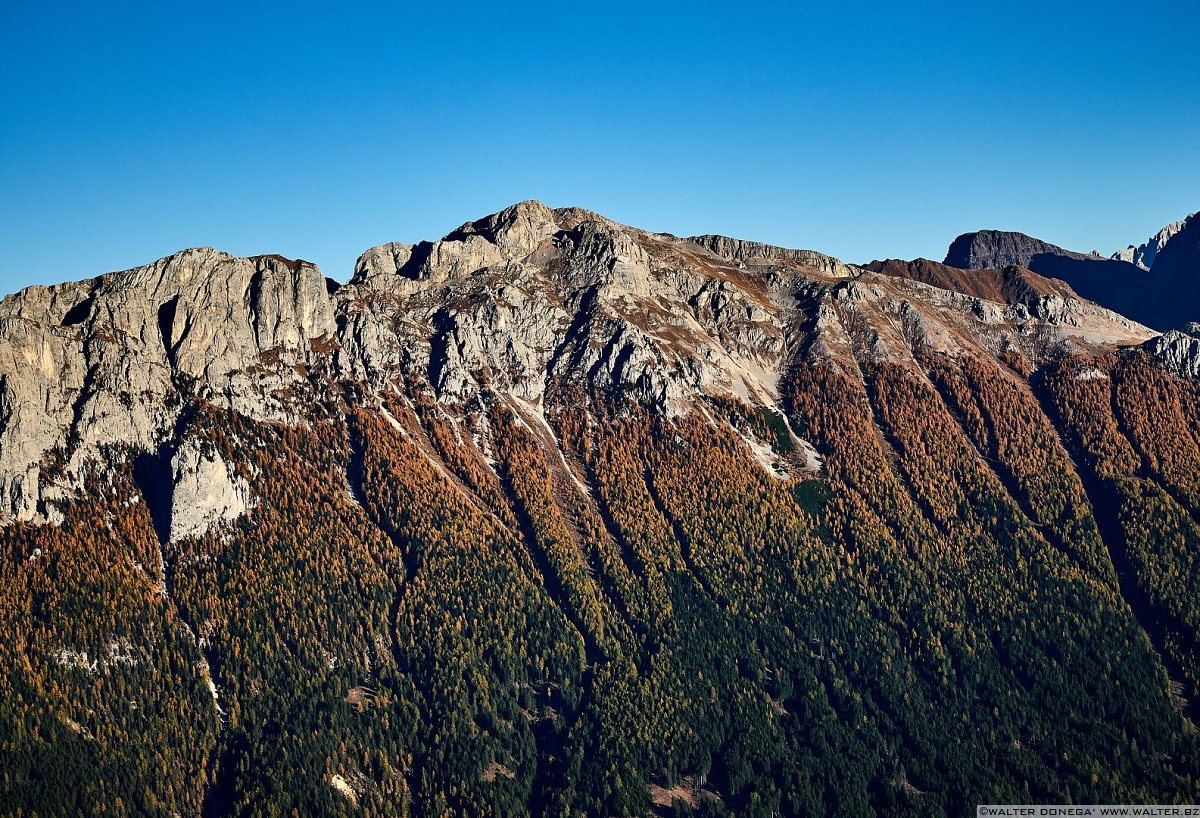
(946, 556)
(935, 620)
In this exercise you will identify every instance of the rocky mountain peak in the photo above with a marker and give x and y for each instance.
(508, 236)
(517, 230)
(996, 249)
(532, 306)
(1178, 259)
(1144, 254)
(1178, 350)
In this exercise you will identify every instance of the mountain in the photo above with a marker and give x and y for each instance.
(1176, 273)
(1144, 254)
(1151, 297)
(997, 248)
(560, 516)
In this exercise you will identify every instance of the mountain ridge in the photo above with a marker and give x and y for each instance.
(1162, 298)
(526, 300)
(990, 249)
(557, 517)
(1143, 255)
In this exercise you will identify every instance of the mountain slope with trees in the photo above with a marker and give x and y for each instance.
(559, 517)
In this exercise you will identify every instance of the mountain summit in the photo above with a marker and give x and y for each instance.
(556, 516)
(1144, 254)
(997, 248)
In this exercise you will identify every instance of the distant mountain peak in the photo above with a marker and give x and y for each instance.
(996, 249)
(1153, 284)
(1144, 254)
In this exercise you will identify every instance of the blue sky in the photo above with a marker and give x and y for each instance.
(866, 130)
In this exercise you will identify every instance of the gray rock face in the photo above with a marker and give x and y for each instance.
(538, 306)
(109, 361)
(1176, 276)
(533, 298)
(1144, 254)
(752, 251)
(996, 249)
(204, 493)
(1178, 351)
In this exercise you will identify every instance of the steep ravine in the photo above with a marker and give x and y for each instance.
(152, 474)
(409, 559)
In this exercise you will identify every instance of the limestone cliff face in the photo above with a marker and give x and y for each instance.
(205, 493)
(107, 363)
(1178, 351)
(545, 307)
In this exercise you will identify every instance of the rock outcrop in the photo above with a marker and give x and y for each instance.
(204, 492)
(1144, 254)
(108, 362)
(1178, 351)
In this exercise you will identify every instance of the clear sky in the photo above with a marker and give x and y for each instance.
(864, 130)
